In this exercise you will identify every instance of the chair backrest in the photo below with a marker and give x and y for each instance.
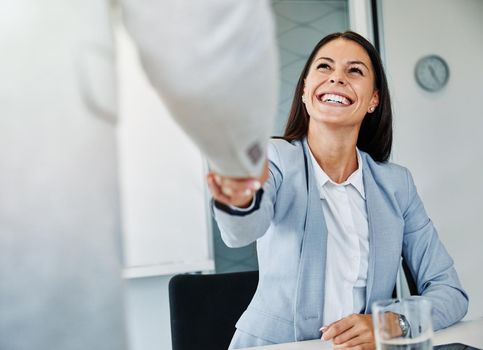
(205, 308)
(413, 289)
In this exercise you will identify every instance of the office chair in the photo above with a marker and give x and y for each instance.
(205, 308)
(413, 289)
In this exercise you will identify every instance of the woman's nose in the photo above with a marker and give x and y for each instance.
(337, 80)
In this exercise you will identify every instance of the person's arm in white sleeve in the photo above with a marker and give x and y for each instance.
(214, 64)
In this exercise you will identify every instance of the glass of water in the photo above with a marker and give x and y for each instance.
(403, 324)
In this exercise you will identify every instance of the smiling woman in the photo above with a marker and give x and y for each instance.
(333, 216)
(375, 134)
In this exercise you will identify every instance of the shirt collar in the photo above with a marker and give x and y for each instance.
(355, 179)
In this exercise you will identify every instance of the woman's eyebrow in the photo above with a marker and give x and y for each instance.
(358, 62)
(349, 62)
(325, 58)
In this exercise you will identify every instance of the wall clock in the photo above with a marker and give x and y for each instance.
(432, 73)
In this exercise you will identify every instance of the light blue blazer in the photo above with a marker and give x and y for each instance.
(289, 227)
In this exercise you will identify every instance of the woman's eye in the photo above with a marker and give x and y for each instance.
(355, 70)
(323, 66)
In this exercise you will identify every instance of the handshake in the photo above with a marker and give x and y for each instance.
(235, 191)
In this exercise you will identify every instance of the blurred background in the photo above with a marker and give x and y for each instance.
(165, 224)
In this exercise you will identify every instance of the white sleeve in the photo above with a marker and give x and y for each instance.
(215, 65)
(247, 209)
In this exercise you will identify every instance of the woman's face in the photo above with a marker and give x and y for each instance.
(339, 87)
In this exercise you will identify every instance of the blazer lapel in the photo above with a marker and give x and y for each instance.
(309, 302)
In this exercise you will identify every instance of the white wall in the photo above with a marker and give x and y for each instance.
(439, 135)
(147, 313)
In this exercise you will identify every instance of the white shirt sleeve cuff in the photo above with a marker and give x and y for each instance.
(250, 207)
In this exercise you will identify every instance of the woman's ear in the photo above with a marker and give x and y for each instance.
(375, 99)
(374, 102)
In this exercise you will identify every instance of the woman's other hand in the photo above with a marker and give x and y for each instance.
(352, 332)
(234, 191)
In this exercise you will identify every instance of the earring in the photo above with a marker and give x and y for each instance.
(303, 98)
(371, 109)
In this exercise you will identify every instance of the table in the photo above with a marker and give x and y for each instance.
(466, 332)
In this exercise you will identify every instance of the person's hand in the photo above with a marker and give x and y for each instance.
(234, 191)
(392, 326)
(354, 332)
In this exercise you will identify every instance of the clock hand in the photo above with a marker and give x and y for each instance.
(433, 74)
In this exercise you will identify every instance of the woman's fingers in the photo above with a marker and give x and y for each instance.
(216, 192)
(338, 328)
(234, 187)
(362, 346)
(354, 331)
(346, 336)
(234, 191)
(354, 341)
(230, 191)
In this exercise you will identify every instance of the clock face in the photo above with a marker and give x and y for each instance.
(432, 73)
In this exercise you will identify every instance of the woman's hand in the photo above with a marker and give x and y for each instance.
(234, 191)
(352, 332)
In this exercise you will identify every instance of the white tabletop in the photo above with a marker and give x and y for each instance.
(466, 332)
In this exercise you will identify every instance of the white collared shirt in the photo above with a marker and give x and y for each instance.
(345, 213)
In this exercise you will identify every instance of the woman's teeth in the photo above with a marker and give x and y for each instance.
(335, 98)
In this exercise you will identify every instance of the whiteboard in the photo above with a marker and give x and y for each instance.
(164, 208)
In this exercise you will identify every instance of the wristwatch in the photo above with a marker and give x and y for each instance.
(404, 324)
